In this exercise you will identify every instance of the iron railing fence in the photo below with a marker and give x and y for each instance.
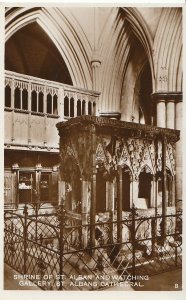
(55, 253)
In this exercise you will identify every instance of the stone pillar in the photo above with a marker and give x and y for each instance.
(161, 113)
(119, 205)
(170, 114)
(85, 209)
(173, 191)
(153, 192)
(61, 191)
(96, 63)
(93, 185)
(75, 105)
(93, 211)
(109, 196)
(135, 189)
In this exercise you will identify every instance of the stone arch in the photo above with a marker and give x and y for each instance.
(142, 108)
(168, 51)
(145, 168)
(141, 31)
(116, 53)
(63, 33)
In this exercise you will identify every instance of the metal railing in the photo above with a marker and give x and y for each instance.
(54, 247)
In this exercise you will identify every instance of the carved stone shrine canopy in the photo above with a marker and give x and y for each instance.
(99, 157)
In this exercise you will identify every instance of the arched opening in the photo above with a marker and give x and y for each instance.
(41, 102)
(79, 108)
(49, 104)
(17, 98)
(144, 188)
(168, 191)
(94, 108)
(83, 107)
(126, 188)
(34, 101)
(30, 51)
(7, 96)
(55, 110)
(100, 192)
(89, 108)
(66, 107)
(25, 99)
(72, 107)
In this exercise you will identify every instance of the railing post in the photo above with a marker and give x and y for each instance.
(61, 241)
(119, 206)
(154, 232)
(164, 186)
(25, 213)
(133, 237)
(36, 208)
(93, 187)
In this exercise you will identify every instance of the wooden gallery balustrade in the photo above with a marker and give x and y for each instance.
(33, 106)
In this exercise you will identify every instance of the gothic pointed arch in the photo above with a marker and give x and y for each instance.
(63, 33)
(122, 58)
(168, 51)
(142, 32)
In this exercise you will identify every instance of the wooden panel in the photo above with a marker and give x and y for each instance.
(37, 130)
(51, 132)
(8, 188)
(21, 128)
(7, 126)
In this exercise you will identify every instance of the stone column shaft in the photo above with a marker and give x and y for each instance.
(170, 114)
(161, 113)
